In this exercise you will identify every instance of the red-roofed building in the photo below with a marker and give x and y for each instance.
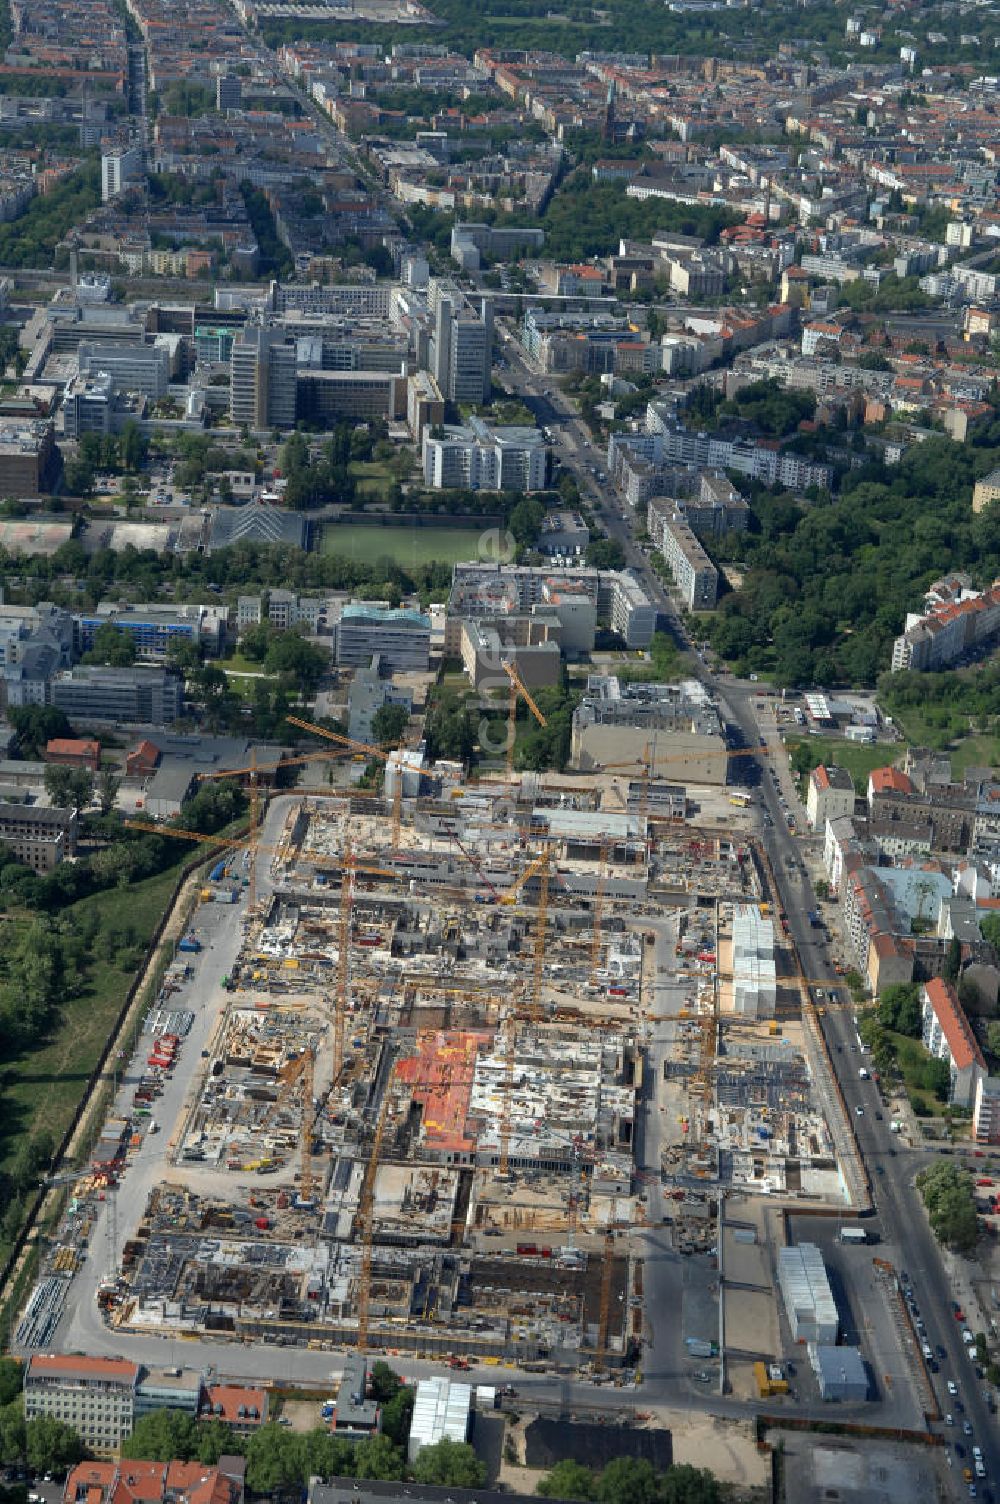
(150, 1483)
(245, 1410)
(72, 752)
(96, 1396)
(948, 1036)
(888, 781)
(143, 760)
(829, 796)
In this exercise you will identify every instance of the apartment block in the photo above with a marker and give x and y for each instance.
(694, 574)
(986, 1110)
(478, 457)
(95, 1396)
(947, 1035)
(986, 491)
(829, 795)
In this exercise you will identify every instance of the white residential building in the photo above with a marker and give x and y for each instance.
(948, 1036)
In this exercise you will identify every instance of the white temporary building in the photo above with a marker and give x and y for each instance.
(809, 1302)
(440, 1411)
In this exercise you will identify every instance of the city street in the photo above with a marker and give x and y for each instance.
(905, 1234)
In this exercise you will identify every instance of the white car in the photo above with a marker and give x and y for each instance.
(952, 1388)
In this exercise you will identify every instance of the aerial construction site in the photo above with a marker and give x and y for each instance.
(400, 1100)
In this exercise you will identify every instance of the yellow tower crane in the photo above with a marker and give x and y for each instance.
(517, 688)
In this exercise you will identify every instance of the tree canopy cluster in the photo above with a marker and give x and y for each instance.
(630, 1480)
(31, 239)
(827, 584)
(584, 218)
(948, 1196)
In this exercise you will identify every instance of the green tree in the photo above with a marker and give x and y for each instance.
(953, 960)
(525, 521)
(605, 553)
(628, 1480)
(36, 725)
(11, 1380)
(52, 1446)
(291, 656)
(162, 1436)
(108, 785)
(388, 724)
(274, 1459)
(948, 1196)
(684, 1484)
(993, 1036)
(567, 1480)
(113, 646)
(378, 1458)
(13, 1435)
(383, 1381)
(449, 1464)
(989, 927)
(69, 788)
(899, 1009)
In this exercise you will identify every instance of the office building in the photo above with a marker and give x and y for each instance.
(152, 627)
(424, 405)
(754, 985)
(668, 730)
(28, 456)
(478, 457)
(132, 368)
(138, 696)
(119, 170)
(694, 574)
(262, 379)
(461, 347)
(947, 1035)
(228, 92)
(40, 838)
(805, 1288)
(355, 1417)
(401, 638)
(168, 1389)
(94, 1396)
(326, 396)
(88, 405)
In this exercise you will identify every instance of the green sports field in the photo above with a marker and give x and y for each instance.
(404, 545)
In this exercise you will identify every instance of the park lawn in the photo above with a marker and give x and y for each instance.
(966, 751)
(858, 759)
(910, 1056)
(404, 545)
(41, 1088)
(372, 478)
(237, 664)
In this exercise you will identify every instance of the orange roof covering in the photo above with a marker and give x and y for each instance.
(225, 1401)
(148, 1483)
(821, 777)
(954, 1025)
(890, 780)
(440, 1075)
(57, 1365)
